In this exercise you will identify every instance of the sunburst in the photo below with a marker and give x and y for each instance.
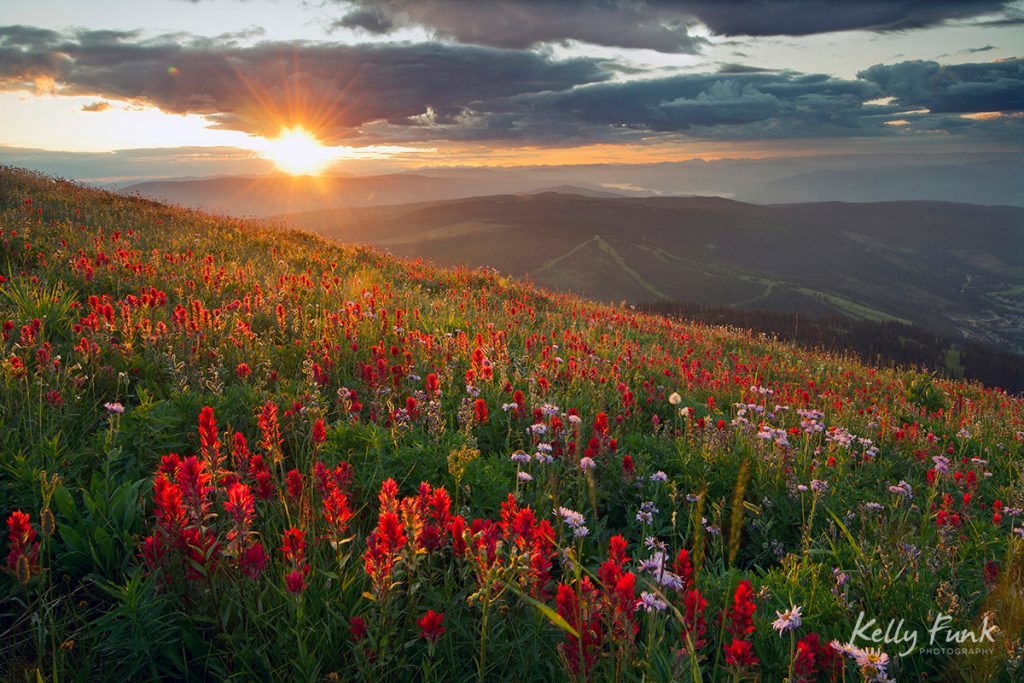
(297, 151)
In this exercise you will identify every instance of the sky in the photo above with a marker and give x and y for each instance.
(165, 88)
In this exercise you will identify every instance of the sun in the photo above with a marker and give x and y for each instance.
(298, 152)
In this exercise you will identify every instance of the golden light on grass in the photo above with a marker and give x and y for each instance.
(298, 152)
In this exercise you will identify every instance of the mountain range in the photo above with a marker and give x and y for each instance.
(989, 179)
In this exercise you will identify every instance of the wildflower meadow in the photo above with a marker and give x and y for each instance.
(232, 451)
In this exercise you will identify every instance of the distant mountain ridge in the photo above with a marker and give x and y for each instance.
(574, 189)
(989, 179)
(269, 195)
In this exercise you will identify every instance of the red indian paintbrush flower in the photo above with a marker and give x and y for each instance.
(580, 653)
(542, 551)
(430, 625)
(169, 465)
(270, 432)
(295, 581)
(813, 658)
(340, 477)
(24, 551)
(388, 496)
(193, 481)
(357, 628)
(253, 560)
(240, 505)
(683, 567)
(337, 513)
(628, 468)
(739, 654)
(694, 622)
(433, 508)
(170, 512)
(458, 532)
(294, 545)
(741, 613)
(209, 443)
(611, 570)
(294, 480)
(480, 410)
(240, 453)
(319, 432)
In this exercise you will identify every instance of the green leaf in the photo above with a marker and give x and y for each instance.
(551, 614)
(849, 536)
(65, 504)
(72, 539)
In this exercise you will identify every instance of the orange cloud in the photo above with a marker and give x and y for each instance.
(96, 106)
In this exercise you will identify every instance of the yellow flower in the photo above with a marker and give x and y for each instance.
(458, 461)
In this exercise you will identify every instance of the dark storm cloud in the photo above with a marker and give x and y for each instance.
(741, 69)
(730, 105)
(742, 105)
(24, 54)
(28, 36)
(399, 93)
(806, 17)
(952, 89)
(335, 88)
(661, 25)
(369, 19)
(522, 23)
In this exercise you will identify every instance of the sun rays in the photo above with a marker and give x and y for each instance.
(297, 152)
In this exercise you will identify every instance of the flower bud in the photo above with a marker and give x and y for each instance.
(23, 570)
(46, 522)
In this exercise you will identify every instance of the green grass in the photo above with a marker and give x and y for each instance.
(167, 312)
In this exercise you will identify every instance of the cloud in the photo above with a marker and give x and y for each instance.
(662, 25)
(369, 19)
(435, 92)
(807, 17)
(741, 105)
(334, 89)
(954, 88)
(96, 106)
(23, 55)
(731, 68)
(731, 105)
(517, 24)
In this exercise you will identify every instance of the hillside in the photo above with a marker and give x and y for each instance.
(954, 269)
(215, 435)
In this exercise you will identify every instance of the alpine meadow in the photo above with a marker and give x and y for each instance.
(582, 341)
(246, 453)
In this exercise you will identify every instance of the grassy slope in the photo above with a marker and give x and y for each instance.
(943, 266)
(308, 317)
